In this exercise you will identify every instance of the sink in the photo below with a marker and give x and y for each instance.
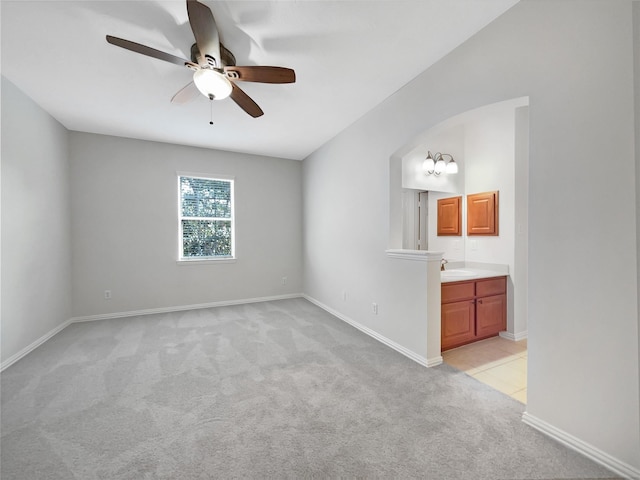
(458, 273)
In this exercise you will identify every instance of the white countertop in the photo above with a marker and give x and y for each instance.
(473, 274)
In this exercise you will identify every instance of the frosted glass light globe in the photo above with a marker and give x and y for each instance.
(452, 167)
(428, 165)
(212, 84)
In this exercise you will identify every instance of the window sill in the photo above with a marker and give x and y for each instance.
(205, 261)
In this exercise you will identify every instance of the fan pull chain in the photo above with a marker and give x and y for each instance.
(211, 111)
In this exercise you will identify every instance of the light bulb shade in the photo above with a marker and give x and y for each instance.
(440, 166)
(452, 166)
(428, 165)
(212, 84)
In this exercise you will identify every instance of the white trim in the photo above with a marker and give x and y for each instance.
(431, 362)
(231, 219)
(29, 348)
(434, 362)
(616, 466)
(204, 261)
(179, 308)
(382, 339)
(206, 176)
(515, 337)
(105, 316)
(602, 458)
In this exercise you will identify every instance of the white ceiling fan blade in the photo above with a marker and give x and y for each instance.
(186, 94)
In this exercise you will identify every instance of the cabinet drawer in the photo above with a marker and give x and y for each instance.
(492, 286)
(457, 291)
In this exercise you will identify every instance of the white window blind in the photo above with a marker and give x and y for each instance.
(206, 218)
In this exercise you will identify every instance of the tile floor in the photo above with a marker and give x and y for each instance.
(496, 361)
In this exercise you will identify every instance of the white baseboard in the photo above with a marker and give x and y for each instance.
(616, 466)
(514, 337)
(29, 348)
(427, 362)
(180, 308)
(434, 362)
(90, 318)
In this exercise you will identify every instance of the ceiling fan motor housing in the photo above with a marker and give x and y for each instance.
(227, 58)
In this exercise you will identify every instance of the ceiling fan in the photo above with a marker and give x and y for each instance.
(214, 67)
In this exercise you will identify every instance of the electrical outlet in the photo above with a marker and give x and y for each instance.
(284, 280)
(374, 308)
(107, 294)
(474, 245)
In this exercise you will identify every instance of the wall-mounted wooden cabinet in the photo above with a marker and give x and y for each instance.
(450, 216)
(482, 214)
(473, 310)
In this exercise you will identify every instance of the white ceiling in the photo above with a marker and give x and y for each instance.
(348, 57)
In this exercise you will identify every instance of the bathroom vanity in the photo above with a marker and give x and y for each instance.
(474, 307)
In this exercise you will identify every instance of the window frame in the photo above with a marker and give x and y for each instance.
(182, 260)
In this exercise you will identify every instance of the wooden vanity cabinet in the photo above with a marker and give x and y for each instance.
(473, 310)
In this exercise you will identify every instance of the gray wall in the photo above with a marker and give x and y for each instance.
(36, 234)
(574, 61)
(84, 213)
(125, 230)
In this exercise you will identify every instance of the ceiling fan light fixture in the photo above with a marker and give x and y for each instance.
(212, 84)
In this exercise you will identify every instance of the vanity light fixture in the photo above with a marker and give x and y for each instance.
(435, 165)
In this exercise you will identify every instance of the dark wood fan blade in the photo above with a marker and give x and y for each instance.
(261, 74)
(148, 51)
(205, 32)
(245, 102)
(186, 94)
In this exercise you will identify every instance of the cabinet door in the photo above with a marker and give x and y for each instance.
(482, 214)
(491, 315)
(449, 216)
(458, 321)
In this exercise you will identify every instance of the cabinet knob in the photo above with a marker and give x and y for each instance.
(479, 301)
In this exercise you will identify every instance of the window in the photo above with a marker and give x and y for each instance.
(206, 218)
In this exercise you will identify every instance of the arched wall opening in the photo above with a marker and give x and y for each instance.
(490, 144)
